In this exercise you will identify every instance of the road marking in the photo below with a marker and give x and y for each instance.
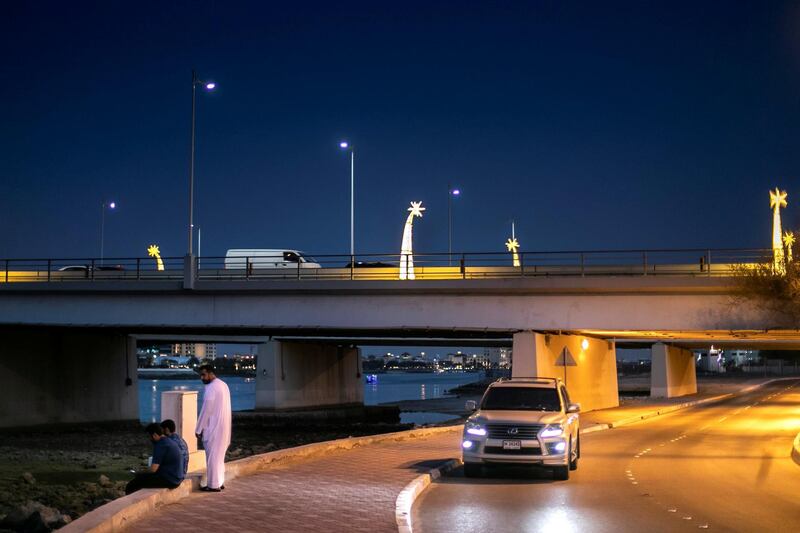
(687, 517)
(673, 510)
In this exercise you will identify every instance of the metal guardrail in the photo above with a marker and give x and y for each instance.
(681, 262)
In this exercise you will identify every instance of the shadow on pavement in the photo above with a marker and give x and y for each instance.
(500, 475)
(425, 466)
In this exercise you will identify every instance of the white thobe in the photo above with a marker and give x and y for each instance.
(214, 423)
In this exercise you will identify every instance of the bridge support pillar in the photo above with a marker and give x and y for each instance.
(672, 371)
(56, 377)
(587, 365)
(305, 375)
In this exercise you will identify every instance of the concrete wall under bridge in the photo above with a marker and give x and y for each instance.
(588, 366)
(303, 375)
(67, 377)
(672, 371)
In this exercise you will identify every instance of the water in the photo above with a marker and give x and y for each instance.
(387, 388)
(243, 394)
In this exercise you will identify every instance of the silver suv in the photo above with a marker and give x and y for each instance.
(523, 421)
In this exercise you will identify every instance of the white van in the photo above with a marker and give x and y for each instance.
(260, 258)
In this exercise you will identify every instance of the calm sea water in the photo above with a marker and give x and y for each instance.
(387, 388)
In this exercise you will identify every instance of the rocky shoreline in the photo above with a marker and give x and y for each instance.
(51, 476)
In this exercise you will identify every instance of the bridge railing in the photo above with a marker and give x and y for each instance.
(426, 266)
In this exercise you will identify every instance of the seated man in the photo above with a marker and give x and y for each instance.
(168, 426)
(166, 470)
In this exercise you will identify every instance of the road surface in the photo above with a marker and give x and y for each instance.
(721, 467)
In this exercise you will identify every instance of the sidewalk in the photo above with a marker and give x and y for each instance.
(346, 490)
(353, 490)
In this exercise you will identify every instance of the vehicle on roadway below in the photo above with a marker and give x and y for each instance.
(523, 421)
(369, 264)
(261, 258)
(88, 268)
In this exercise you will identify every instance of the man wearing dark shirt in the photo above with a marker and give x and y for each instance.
(168, 426)
(166, 470)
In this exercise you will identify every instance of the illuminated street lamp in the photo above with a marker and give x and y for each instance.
(344, 145)
(451, 192)
(103, 206)
(209, 86)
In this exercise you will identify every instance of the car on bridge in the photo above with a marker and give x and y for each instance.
(523, 421)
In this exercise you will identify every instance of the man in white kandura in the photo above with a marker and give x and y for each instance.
(214, 426)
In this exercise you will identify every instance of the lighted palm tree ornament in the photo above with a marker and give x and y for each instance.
(788, 243)
(513, 246)
(777, 199)
(153, 251)
(407, 248)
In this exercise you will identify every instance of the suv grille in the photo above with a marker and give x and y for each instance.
(507, 431)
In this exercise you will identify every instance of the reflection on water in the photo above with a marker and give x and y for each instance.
(387, 388)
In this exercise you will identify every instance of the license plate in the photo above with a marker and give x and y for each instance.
(512, 445)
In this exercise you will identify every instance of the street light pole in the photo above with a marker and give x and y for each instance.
(191, 166)
(450, 193)
(209, 86)
(103, 205)
(347, 146)
(352, 203)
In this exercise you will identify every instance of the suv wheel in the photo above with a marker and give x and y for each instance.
(472, 469)
(573, 459)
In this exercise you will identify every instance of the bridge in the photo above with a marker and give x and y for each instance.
(564, 314)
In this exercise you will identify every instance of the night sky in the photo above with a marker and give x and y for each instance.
(598, 125)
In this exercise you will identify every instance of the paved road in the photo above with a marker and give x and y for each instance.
(723, 467)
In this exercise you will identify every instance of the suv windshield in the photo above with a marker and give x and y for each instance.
(521, 399)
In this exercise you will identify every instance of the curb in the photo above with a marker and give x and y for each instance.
(122, 512)
(407, 497)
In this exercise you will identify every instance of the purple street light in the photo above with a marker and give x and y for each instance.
(456, 192)
(113, 205)
(344, 144)
(211, 85)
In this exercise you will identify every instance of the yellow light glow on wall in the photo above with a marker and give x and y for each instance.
(153, 251)
(777, 199)
(585, 344)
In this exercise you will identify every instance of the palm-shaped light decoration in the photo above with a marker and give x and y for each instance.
(513, 247)
(777, 199)
(407, 248)
(788, 243)
(153, 251)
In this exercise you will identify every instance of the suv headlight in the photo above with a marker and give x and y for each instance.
(473, 428)
(552, 430)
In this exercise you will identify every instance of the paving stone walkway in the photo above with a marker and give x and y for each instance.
(346, 491)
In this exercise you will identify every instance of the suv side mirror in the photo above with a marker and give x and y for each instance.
(574, 408)
(470, 405)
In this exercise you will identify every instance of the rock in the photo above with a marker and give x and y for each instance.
(33, 517)
(116, 456)
(236, 453)
(89, 466)
(28, 478)
(270, 446)
(104, 481)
